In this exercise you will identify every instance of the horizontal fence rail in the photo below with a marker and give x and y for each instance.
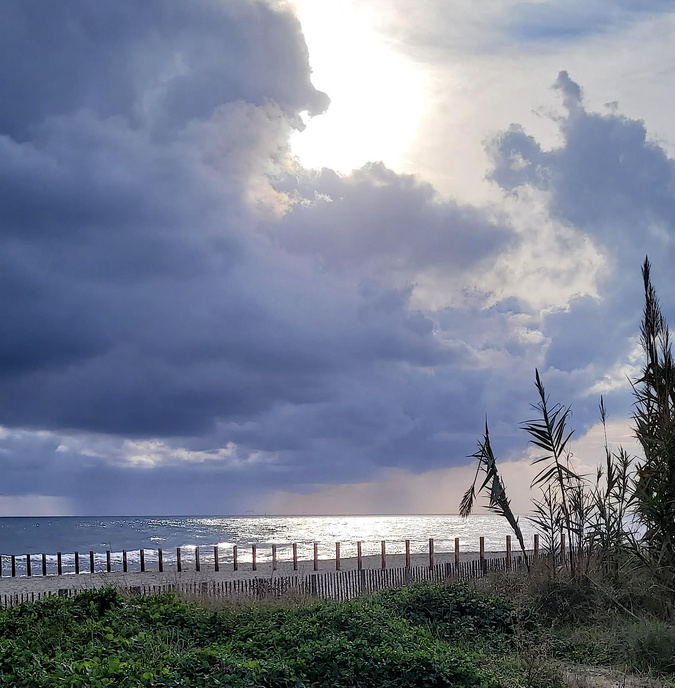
(333, 585)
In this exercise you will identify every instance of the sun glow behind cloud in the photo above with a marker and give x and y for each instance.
(377, 96)
(209, 315)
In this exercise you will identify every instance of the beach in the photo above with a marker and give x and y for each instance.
(41, 585)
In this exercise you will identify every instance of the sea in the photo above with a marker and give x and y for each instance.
(22, 536)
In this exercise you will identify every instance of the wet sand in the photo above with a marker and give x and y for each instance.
(84, 581)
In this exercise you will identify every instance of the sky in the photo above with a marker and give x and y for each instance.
(287, 256)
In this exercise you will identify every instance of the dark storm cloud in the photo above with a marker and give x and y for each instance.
(112, 314)
(159, 64)
(180, 314)
(374, 216)
(143, 296)
(121, 309)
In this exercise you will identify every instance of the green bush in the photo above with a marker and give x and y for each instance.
(452, 612)
(98, 639)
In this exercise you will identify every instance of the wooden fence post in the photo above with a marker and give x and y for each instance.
(179, 566)
(77, 563)
(508, 552)
(28, 569)
(407, 554)
(108, 563)
(125, 567)
(235, 560)
(59, 567)
(431, 553)
(160, 560)
(216, 561)
(337, 556)
(295, 556)
(13, 559)
(91, 562)
(383, 545)
(316, 556)
(482, 554)
(536, 545)
(198, 565)
(142, 556)
(359, 556)
(274, 557)
(457, 553)
(254, 557)
(44, 564)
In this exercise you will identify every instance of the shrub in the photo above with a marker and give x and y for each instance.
(101, 640)
(451, 612)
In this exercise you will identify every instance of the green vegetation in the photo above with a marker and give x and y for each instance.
(627, 516)
(509, 630)
(411, 637)
(655, 429)
(608, 596)
(499, 502)
(619, 621)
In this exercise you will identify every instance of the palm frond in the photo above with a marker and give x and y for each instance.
(498, 501)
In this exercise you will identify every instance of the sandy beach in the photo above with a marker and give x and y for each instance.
(84, 581)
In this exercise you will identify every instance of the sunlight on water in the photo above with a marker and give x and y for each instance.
(35, 536)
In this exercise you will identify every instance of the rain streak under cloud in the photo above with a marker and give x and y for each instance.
(200, 317)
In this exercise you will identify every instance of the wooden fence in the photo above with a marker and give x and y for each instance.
(29, 565)
(334, 585)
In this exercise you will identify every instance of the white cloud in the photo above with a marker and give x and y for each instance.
(483, 78)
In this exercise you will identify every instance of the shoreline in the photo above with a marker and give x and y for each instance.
(86, 581)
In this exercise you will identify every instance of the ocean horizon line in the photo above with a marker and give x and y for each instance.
(262, 515)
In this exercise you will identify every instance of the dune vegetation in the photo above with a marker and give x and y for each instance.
(417, 636)
(605, 587)
(505, 630)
